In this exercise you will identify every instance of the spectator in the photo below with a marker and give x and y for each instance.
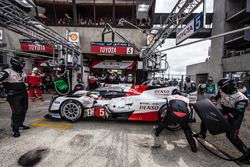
(129, 78)
(201, 87)
(210, 90)
(189, 86)
(122, 78)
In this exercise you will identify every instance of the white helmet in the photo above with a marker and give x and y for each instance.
(34, 70)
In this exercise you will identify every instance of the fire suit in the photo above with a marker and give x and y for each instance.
(178, 112)
(233, 108)
(15, 88)
(34, 81)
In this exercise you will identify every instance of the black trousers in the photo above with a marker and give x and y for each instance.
(233, 134)
(19, 107)
(184, 126)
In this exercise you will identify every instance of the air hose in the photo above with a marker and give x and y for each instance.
(219, 156)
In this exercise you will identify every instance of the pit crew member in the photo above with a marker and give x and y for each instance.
(233, 105)
(15, 88)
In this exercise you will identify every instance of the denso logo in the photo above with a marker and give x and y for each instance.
(155, 108)
(163, 91)
(110, 50)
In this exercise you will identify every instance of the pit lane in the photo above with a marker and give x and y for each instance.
(102, 143)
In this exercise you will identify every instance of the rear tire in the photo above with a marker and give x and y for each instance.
(71, 110)
(171, 126)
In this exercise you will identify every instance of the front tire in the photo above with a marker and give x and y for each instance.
(71, 110)
(170, 126)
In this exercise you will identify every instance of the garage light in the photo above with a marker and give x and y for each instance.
(143, 8)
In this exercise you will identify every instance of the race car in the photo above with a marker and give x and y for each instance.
(134, 102)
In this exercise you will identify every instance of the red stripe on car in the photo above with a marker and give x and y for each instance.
(147, 116)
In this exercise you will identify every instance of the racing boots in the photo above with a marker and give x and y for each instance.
(190, 139)
(24, 127)
(246, 159)
(16, 134)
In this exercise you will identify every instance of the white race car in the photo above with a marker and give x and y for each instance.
(134, 102)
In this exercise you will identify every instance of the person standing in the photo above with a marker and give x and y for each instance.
(210, 90)
(189, 86)
(17, 96)
(129, 79)
(92, 82)
(34, 80)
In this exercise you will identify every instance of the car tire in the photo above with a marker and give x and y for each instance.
(171, 126)
(71, 110)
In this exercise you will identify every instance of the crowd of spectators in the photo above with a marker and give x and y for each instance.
(67, 19)
(90, 21)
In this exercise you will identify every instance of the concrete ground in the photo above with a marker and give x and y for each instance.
(102, 143)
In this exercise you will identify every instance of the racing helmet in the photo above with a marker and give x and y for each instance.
(228, 86)
(35, 70)
(17, 63)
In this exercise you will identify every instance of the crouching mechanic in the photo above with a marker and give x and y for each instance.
(177, 112)
(15, 88)
(233, 104)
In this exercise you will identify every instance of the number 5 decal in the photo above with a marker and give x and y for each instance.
(130, 50)
(102, 112)
(197, 23)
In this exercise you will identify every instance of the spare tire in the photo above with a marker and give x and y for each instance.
(212, 117)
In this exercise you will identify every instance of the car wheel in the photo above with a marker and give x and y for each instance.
(170, 126)
(71, 110)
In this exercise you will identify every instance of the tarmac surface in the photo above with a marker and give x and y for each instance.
(103, 143)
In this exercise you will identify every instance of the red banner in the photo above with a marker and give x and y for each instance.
(111, 48)
(34, 46)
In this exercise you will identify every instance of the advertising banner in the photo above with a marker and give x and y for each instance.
(35, 46)
(192, 27)
(113, 48)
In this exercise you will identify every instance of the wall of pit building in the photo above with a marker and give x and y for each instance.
(87, 35)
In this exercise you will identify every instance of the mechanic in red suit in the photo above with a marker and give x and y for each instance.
(34, 80)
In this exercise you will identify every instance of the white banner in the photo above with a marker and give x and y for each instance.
(114, 65)
(192, 27)
(186, 32)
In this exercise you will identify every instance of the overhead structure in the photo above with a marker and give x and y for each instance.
(181, 11)
(17, 20)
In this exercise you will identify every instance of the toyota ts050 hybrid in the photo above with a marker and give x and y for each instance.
(126, 102)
